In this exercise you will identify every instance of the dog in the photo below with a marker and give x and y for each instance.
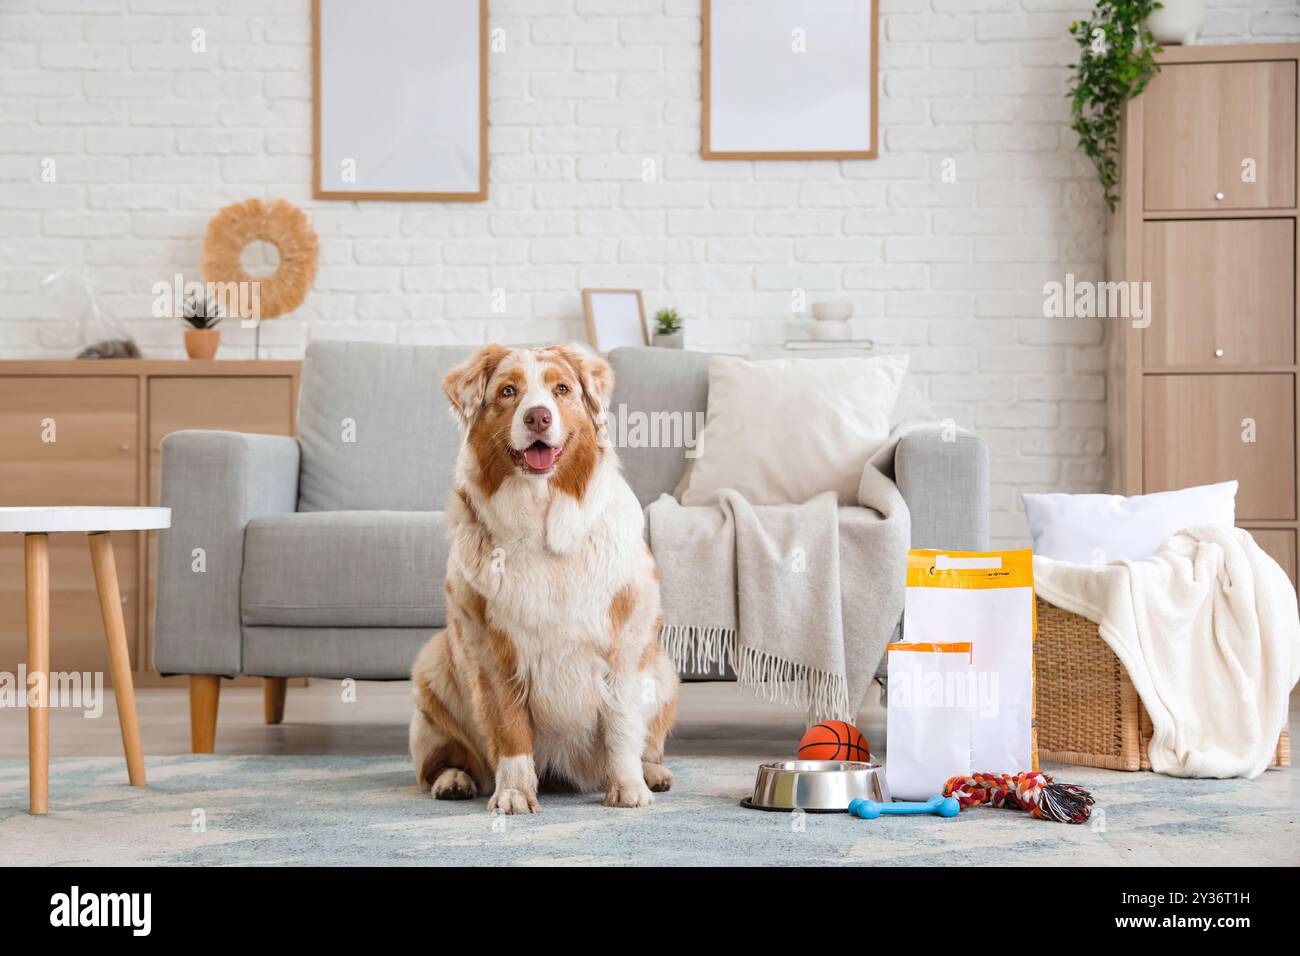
(550, 670)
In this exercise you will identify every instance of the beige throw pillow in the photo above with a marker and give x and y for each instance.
(785, 430)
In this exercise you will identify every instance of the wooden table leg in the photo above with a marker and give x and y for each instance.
(36, 548)
(119, 659)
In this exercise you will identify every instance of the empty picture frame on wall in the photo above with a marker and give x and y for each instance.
(789, 79)
(399, 99)
(615, 318)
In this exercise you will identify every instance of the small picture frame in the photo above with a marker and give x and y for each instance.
(615, 318)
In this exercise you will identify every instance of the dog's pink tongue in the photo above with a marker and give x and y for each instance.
(540, 457)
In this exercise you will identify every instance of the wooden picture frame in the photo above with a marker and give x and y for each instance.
(610, 309)
(468, 181)
(737, 29)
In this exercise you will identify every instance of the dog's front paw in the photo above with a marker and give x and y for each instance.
(632, 794)
(453, 784)
(513, 801)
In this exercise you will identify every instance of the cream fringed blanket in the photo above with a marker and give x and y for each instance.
(799, 600)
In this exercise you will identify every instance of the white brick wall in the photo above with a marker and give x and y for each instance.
(150, 139)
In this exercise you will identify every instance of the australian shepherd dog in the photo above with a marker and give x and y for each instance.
(550, 673)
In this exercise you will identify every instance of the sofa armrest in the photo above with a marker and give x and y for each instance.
(215, 482)
(943, 474)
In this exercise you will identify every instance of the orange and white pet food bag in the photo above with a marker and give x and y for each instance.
(986, 598)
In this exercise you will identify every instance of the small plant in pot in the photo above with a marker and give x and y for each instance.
(668, 329)
(201, 335)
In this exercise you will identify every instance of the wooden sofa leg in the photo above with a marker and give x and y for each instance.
(273, 691)
(205, 694)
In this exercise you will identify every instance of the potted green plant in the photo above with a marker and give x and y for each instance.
(668, 329)
(202, 319)
(1117, 60)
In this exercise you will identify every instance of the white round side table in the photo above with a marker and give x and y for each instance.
(36, 525)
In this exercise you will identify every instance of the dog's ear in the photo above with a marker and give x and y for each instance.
(594, 375)
(466, 385)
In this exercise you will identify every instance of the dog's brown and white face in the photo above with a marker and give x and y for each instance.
(536, 414)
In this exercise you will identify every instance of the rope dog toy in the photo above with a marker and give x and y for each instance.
(1032, 792)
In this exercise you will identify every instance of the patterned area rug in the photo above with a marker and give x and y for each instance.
(215, 810)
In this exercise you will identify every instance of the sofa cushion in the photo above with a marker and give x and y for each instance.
(664, 393)
(362, 653)
(783, 431)
(374, 427)
(345, 569)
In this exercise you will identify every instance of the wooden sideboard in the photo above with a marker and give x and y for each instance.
(90, 432)
(1206, 392)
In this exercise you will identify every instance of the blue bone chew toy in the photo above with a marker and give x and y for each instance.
(870, 809)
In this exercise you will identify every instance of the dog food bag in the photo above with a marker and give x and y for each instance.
(931, 718)
(987, 599)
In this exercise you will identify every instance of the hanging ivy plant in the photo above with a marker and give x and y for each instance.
(1117, 60)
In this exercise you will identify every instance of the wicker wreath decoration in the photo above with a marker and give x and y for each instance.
(284, 226)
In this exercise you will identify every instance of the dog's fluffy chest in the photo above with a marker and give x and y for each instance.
(556, 605)
(555, 608)
(557, 564)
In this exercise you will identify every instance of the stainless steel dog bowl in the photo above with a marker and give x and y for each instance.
(816, 786)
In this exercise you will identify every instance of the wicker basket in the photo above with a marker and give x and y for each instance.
(1088, 711)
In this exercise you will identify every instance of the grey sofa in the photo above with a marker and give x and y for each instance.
(324, 555)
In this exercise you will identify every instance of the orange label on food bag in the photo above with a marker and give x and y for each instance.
(970, 569)
(955, 648)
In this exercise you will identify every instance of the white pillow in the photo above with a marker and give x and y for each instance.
(1086, 529)
(785, 430)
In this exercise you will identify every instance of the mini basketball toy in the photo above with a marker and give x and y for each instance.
(834, 740)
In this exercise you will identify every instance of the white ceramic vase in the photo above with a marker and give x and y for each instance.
(831, 320)
(1177, 22)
